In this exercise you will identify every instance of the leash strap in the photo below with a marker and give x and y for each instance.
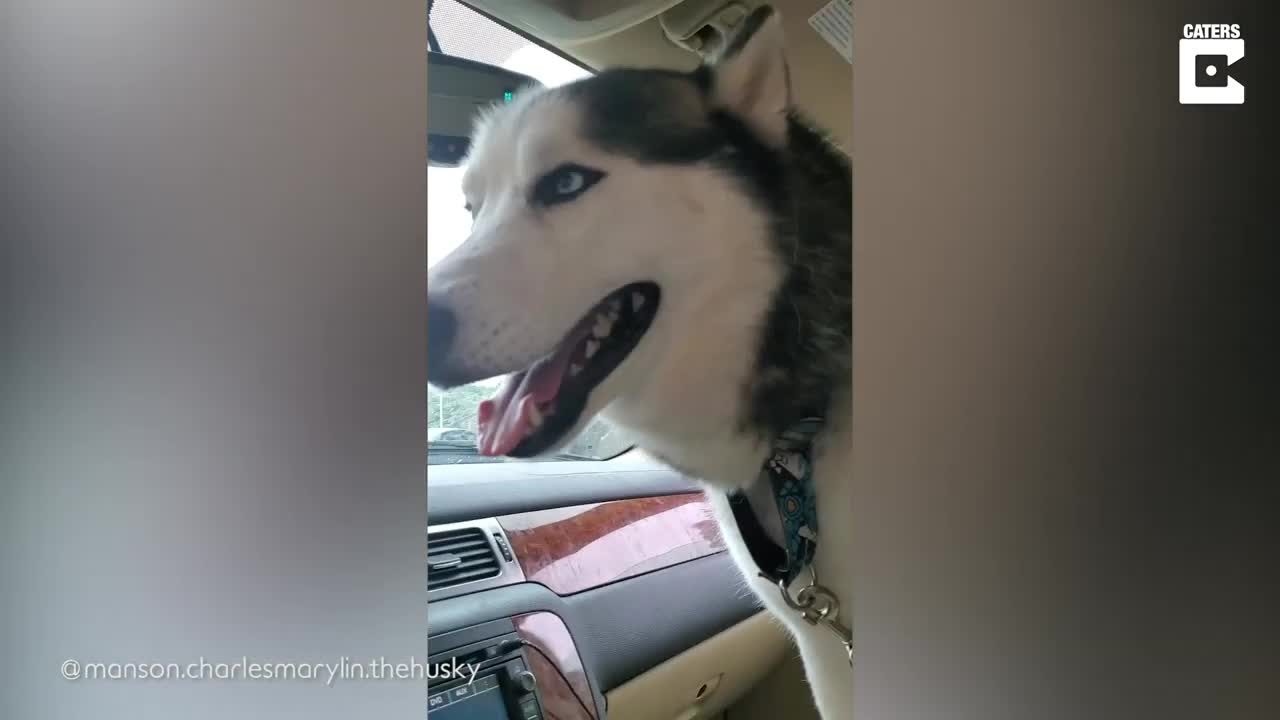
(789, 473)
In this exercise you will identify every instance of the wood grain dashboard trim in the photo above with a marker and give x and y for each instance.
(578, 548)
(548, 633)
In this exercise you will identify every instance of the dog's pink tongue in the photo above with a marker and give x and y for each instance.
(504, 425)
(507, 418)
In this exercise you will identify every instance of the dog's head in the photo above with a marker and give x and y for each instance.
(620, 250)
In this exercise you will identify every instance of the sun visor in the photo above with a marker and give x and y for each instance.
(562, 22)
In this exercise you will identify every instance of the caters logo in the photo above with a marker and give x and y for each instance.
(1206, 56)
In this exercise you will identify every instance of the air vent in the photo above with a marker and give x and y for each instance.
(459, 556)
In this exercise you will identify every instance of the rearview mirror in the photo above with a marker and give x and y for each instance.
(457, 90)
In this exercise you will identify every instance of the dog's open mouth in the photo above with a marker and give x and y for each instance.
(537, 406)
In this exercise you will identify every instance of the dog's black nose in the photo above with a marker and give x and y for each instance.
(442, 327)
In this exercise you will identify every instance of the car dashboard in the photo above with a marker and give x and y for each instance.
(573, 586)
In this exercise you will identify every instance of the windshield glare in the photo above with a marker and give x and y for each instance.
(451, 414)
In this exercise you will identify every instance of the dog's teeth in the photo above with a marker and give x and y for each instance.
(535, 415)
(574, 369)
(637, 301)
(592, 347)
(602, 327)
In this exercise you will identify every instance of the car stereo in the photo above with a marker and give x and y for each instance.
(495, 682)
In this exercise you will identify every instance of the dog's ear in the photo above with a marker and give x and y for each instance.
(750, 75)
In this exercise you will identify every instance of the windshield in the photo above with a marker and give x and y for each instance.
(451, 414)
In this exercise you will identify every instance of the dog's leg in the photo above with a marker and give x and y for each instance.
(826, 664)
(826, 661)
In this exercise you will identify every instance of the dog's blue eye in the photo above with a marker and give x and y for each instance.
(570, 182)
(564, 184)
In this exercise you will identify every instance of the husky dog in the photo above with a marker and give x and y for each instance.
(671, 250)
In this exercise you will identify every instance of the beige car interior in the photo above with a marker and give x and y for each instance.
(750, 671)
(662, 33)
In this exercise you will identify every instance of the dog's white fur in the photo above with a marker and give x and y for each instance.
(524, 278)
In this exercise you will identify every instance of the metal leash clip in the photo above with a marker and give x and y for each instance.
(818, 605)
